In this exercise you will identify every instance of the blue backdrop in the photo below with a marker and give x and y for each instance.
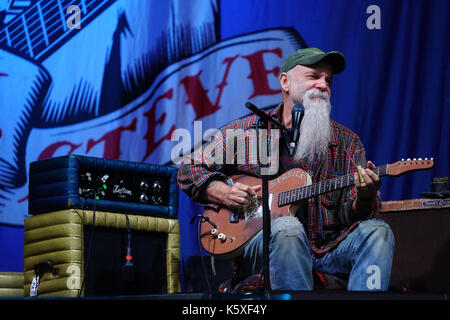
(118, 81)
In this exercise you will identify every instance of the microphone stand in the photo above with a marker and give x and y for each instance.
(264, 119)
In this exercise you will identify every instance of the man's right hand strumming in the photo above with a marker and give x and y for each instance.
(233, 197)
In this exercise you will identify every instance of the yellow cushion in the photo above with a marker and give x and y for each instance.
(11, 284)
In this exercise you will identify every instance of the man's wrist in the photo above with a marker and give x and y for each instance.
(215, 191)
(359, 197)
(363, 206)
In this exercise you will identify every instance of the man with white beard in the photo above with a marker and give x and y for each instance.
(335, 233)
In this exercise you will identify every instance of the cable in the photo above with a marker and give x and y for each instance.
(89, 246)
(129, 235)
(128, 274)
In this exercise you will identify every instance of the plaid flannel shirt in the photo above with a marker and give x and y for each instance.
(329, 216)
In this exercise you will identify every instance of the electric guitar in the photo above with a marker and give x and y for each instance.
(224, 233)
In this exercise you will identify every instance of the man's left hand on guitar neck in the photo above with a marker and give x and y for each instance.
(367, 190)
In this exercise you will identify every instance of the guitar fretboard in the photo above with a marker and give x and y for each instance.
(45, 23)
(302, 193)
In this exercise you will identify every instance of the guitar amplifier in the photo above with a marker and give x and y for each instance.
(82, 182)
(79, 253)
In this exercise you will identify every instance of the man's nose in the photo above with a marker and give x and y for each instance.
(322, 84)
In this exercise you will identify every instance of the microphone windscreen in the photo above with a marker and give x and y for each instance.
(298, 108)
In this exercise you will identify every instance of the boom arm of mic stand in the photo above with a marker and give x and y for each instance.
(267, 118)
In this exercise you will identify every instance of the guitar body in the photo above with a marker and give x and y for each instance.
(249, 221)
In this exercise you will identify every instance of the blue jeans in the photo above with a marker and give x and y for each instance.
(365, 255)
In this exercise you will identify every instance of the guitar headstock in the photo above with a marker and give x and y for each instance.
(400, 167)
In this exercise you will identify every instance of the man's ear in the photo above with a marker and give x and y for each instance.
(284, 82)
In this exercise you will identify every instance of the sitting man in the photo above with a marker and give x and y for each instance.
(335, 233)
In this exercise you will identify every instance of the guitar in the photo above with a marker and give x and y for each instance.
(224, 233)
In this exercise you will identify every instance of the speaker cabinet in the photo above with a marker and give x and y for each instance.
(422, 244)
(88, 253)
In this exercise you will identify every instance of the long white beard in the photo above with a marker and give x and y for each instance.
(315, 129)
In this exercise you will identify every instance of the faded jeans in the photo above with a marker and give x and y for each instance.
(365, 255)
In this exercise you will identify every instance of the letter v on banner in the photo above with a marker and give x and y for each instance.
(259, 73)
(198, 96)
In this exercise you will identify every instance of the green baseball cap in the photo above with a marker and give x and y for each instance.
(310, 56)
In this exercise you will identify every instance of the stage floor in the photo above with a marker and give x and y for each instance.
(275, 296)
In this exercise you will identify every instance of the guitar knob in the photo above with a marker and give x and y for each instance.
(214, 233)
(222, 237)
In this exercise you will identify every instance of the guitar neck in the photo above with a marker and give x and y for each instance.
(45, 23)
(306, 192)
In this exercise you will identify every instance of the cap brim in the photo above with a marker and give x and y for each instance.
(334, 58)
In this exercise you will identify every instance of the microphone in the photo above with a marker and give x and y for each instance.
(298, 112)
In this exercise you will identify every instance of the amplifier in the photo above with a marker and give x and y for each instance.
(123, 186)
(76, 181)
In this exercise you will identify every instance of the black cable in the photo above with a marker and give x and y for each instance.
(129, 235)
(89, 246)
(128, 273)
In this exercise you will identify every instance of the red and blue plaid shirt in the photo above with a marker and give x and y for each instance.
(329, 216)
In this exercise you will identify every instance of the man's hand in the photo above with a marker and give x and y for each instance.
(367, 190)
(233, 197)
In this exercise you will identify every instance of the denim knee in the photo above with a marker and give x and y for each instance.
(288, 233)
(379, 230)
(287, 226)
